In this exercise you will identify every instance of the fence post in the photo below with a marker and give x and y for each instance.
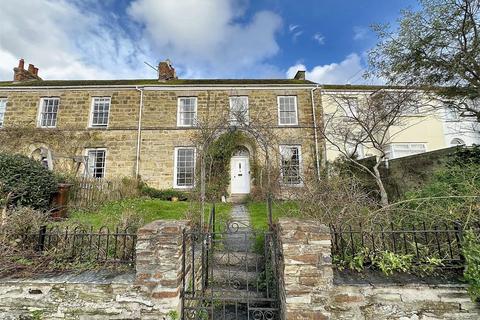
(459, 237)
(41, 238)
(269, 208)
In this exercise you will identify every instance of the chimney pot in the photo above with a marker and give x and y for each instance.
(20, 74)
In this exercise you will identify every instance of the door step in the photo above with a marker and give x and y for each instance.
(237, 198)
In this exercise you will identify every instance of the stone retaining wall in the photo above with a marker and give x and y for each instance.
(152, 292)
(309, 292)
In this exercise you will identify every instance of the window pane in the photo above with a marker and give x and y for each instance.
(48, 112)
(100, 113)
(187, 111)
(238, 109)
(287, 110)
(185, 167)
(290, 164)
(96, 164)
(3, 108)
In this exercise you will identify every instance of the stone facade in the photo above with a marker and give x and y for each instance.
(309, 292)
(158, 129)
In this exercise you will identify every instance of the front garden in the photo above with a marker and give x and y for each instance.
(432, 230)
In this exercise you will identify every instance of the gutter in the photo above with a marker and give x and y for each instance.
(150, 87)
(317, 156)
(139, 133)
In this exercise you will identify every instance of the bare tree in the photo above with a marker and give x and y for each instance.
(209, 126)
(368, 121)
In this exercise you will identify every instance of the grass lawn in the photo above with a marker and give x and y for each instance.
(259, 215)
(148, 210)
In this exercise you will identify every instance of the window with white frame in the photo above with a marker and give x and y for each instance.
(3, 108)
(100, 111)
(239, 109)
(184, 167)
(48, 112)
(96, 161)
(457, 142)
(398, 150)
(287, 110)
(291, 164)
(187, 111)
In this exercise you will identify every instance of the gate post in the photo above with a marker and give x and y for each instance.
(159, 263)
(305, 268)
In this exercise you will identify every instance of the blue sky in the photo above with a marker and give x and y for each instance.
(90, 39)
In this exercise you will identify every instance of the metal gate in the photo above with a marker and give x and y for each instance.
(230, 273)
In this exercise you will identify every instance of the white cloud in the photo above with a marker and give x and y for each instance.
(319, 38)
(335, 73)
(295, 30)
(63, 41)
(209, 39)
(360, 33)
(79, 39)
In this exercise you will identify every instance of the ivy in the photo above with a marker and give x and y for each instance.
(218, 162)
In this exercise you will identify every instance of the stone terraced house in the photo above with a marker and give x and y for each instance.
(143, 128)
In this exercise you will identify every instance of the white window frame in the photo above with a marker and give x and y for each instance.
(234, 121)
(92, 106)
(296, 111)
(175, 158)
(391, 153)
(87, 151)
(3, 112)
(39, 114)
(179, 124)
(300, 164)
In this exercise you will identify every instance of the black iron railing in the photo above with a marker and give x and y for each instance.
(442, 241)
(85, 244)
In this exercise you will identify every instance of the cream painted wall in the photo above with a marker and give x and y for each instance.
(426, 128)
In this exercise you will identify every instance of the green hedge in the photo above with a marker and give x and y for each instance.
(27, 180)
(166, 194)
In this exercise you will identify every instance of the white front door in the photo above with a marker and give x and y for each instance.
(240, 175)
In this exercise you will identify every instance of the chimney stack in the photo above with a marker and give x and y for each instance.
(166, 71)
(300, 75)
(20, 74)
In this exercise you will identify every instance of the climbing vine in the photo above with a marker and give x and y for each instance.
(64, 143)
(218, 162)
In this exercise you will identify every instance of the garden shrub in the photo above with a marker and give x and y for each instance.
(471, 252)
(165, 194)
(28, 182)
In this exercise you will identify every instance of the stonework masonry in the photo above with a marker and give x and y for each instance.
(152, 292)
(308, 290)
(159, 131)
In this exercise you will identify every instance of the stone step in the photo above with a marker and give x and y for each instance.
(237, 198)
(231, 294)
(237, 258)
(235, 277)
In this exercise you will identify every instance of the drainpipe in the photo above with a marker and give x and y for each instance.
(317, 157)
(139, 132)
